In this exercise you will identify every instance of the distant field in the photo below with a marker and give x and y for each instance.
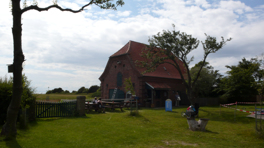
(62, 96)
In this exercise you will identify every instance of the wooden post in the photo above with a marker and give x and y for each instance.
(235, 112)
(256, 120)
(261, 112)
(81, 105)
(220, 110)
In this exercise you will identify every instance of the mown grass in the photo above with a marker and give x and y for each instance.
(247, 107)
(62, 96)
(151, 128)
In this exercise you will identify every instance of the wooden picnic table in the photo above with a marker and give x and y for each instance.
(89, 106)
(133, 104)
(113, 105)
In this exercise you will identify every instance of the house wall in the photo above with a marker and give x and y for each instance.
(109, 81)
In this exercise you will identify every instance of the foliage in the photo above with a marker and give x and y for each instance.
(97, 93)
(173, 47)
(81, 90)
(6, 86)
(152, 128)
(242, 81)
(206, 82)
(129, 86)
(93, 88)
(5, 97)
(55, 90)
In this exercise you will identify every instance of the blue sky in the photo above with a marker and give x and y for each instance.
(71, 50)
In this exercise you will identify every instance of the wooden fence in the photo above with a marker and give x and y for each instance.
(51, 109)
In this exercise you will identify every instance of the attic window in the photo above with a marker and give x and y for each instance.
(165, 68)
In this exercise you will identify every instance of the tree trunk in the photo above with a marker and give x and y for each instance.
(9, 128)
(189, 95)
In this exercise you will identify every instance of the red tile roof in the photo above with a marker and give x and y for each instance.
(133, 49)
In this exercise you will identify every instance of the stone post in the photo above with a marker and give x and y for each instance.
(81, 105)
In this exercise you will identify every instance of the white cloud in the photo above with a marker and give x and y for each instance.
(124, 13)
(236, 6)
(71, 50)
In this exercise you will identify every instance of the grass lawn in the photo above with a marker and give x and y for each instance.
(152, 128)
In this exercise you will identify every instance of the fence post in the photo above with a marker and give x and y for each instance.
(81, 105)
(220, 110)
(235, 112)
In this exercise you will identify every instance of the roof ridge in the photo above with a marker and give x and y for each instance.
(129, 43)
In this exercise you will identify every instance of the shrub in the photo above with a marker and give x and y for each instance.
(97, 93)
(27, 98)
(5, 97)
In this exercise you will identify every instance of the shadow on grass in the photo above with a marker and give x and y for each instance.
(59, 118)
(12, 144)
(139, 116)
(172, 112)
(211, 132)
(226, 116)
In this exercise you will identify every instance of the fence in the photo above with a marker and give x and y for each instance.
(49, 109)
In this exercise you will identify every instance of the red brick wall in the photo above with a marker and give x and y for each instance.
(127, 70)
(110, 78)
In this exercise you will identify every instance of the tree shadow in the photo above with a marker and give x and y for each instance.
(172, 112)
(12, 144)
(208, 131)
(226, 116)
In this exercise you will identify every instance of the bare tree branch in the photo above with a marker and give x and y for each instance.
(35, 7)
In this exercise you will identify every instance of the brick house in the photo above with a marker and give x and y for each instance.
(151, 88)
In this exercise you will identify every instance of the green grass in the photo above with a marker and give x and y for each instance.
(151, 128)
(247, 107)
(62, 96)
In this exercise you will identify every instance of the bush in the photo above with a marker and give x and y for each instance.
(93, 89)
(27, 98)
(5, 97)
(97, 93)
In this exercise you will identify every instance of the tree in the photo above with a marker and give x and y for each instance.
(129, 86)
(81, 90)
(173, 47)
(93, 89)
(242, 80)
(9, 128)
(55, 90)
(207, 81)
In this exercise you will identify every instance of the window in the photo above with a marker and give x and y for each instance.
(119, 79)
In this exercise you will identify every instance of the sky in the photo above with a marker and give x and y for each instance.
(70, 50)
